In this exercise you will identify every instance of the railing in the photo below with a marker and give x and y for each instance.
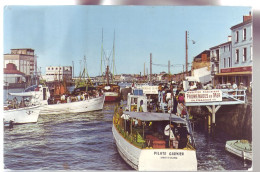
(235, 95)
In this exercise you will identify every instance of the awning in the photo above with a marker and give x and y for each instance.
(151, 116)
(234, 73)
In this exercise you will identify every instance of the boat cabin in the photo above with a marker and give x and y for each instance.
(137, 102)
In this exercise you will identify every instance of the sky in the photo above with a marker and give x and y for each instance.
(62, 34)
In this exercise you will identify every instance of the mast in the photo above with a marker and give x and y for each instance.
(107, 75)
(113, 58)
(102, 57)
(186, 49)
(150, 68)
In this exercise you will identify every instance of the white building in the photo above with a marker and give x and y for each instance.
(58, 73)
(24, 59)
(232, 61)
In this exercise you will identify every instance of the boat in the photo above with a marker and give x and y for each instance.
(110, 89)
(140, 138)
(52, 102)
(92, 104)
(22, 113)
(240, 148)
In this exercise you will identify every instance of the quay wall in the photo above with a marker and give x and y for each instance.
(235, 120)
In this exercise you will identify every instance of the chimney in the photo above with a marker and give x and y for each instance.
(245, 18)
(229, 38)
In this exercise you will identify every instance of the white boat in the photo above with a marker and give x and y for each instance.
(143, 146)
(92, 104)
(241, 148)
(40, 95)
(22, 115)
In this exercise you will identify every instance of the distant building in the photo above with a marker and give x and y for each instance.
(58, 73)
(13, 78)
(200, 70)
(25, 61)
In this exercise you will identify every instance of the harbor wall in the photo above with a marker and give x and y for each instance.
(235, 120)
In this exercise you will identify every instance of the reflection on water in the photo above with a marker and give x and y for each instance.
(85, 141)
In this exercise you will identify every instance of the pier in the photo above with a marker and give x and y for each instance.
(228, 97)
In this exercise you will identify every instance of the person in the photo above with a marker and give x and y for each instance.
(141, 106)
(14, 103)
(22, 104)
(193, 86)
(169, 135)
(182, 136)
(234, 86)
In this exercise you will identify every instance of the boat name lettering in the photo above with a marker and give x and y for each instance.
(159, 153)
(176, 153)
(170, 153)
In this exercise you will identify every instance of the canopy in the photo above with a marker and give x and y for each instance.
(151, 116)
(23, 94)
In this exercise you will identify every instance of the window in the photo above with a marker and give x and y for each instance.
(224, 48)
(224, 62)
(237, 55)
(237, 36)
(229, 47)
(244, 34)
(244, 54)
(229, 62)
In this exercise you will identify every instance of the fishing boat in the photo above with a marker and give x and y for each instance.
(21, 113)
(110, 89)
(240, 148)
(57, 100)
(91, 104)
(140, 138)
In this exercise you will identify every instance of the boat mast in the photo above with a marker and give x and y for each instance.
(113, 58)
(107, 75)
(102, 57)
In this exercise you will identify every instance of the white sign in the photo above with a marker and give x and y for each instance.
(203, 96)
(150, 89)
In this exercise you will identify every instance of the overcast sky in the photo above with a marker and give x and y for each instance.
(62, 34)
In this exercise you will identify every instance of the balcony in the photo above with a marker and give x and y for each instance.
(214, 59)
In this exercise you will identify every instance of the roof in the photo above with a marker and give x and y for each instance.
(204, 52)
(218, 46)
(11, 69)
(241, 24)
(151, 116)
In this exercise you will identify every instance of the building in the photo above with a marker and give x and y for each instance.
(200, 70)
(58, 73)
(232, 61)
(13, 78)
(24, 59)
(221, 58)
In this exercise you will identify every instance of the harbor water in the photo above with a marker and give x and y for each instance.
(84, 141)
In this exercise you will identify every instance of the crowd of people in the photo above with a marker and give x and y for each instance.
(80, 96)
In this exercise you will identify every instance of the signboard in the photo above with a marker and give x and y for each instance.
(203, 96)
(237, 69)
(150, 89)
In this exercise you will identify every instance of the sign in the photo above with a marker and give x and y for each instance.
(203, 96)
(237, 69)
(150, 89)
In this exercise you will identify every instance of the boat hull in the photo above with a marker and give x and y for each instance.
(74, 107)
(155, 159)
(111, 96)
(238, 151)
(22, 115)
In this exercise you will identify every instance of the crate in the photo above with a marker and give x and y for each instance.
(158, 144)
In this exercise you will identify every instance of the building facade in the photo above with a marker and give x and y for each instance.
(25, 61)
(13, 78)
(58, 73)
(232, 61)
